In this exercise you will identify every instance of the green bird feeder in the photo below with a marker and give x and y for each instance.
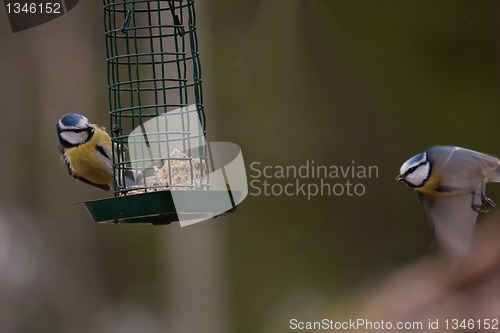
(157, 116)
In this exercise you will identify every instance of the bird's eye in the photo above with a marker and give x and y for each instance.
(80, 130)
(413, 168)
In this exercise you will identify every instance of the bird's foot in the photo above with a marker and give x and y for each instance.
(487, 203)
(481, 209)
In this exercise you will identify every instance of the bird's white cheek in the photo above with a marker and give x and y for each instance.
(75, 138)
(419, 176)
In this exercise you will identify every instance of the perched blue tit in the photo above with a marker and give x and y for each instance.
(86, 149)
(450, 182)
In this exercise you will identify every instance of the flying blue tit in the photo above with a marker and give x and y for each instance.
(450, 183)
(86, 149)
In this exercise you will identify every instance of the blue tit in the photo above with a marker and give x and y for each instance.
(87, 151)
(450, 183)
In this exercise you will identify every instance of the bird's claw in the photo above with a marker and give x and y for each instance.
(487, 203)
(481, 209)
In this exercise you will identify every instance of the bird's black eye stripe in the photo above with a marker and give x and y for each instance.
(79, 130)
(413, 168)
(410, 170)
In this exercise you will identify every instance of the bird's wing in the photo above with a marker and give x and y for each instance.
(453, 220)
(104, 154)
(487, 161)
(469, 163)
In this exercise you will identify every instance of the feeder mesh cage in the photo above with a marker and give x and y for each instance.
(155, 96)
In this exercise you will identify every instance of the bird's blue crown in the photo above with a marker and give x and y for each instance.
(72, 120)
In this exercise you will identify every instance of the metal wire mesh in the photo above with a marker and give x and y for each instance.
(154, 81)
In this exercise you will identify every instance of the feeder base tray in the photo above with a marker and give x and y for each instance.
(157, 207)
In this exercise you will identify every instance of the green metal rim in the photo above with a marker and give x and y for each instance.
(151, 207)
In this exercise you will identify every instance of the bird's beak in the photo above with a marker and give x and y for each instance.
(90, 129)
(400, 178)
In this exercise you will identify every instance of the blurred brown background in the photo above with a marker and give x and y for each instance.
(330, 81)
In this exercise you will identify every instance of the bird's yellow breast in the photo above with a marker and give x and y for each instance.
(85, 161)
(431, 185)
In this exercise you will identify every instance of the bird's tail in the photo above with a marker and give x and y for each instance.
(130, 178)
